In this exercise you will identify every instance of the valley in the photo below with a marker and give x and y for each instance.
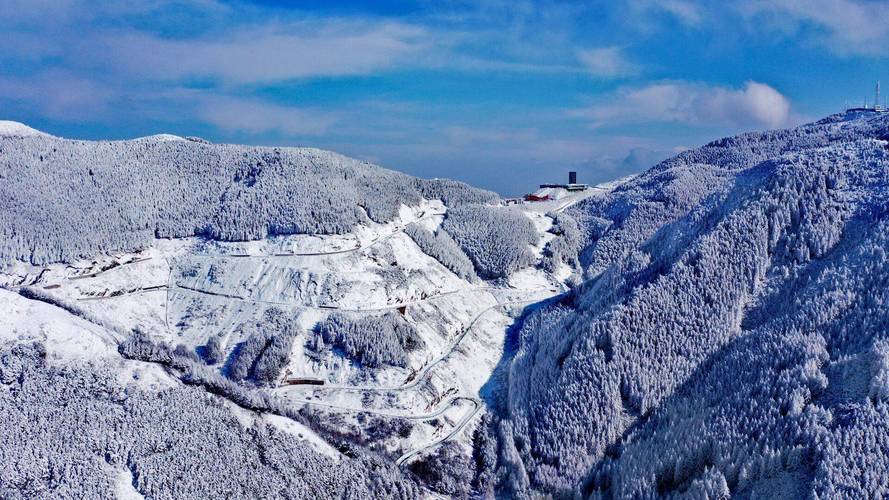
(711, 327)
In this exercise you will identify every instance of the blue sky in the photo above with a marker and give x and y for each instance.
(501, 94)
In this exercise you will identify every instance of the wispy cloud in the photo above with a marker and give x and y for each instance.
(172, 40)
(756, 104)
(254, 117)
(59, 94)
(646, 14)
(607, 62)
(844, 26)
(269, 54)
(688, 12)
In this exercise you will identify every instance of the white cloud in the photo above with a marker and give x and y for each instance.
(254, 117)
(636, 159)
(643, 12)
(170, 40)
(607, 62)
(58, 94)
(756, 104)
(687, 12)
(234, 44)
(845, 26)
(269, 54)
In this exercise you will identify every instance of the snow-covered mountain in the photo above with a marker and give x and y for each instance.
(184, 319)
(730, 336)
(63, 199)
(219, 320)
(15, 129)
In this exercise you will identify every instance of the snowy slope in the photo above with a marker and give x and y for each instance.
(714, 327)
(730, 336)
(16, 129)
(185, 310)
(65, 199)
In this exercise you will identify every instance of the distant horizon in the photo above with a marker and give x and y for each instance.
(501, 95)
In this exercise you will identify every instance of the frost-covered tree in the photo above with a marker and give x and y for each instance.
(214, 351)
(729, 336)
(192, 371)
(443, 248)
(496, 239)
(565, 247)
(35, 293)
(373, 341)
(453, 193)
(446, 470)
(77, 432)
(266, 351)
(62, 199)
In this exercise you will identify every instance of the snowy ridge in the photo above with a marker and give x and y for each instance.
(729, 337)
(160, 138)
(121, 195)
(16, 129)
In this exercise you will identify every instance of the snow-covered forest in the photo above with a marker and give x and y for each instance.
(723, 333)
(497, 240)
(265, 353)
(567, 244)
(69, 431)
(729, 337)
(443, 248)
(370, 340)
(62, 199)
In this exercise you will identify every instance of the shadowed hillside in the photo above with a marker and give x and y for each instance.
(730, 335)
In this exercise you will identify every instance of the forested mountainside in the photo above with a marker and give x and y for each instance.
(725, 333)
(71, 431)
(64, 199)
(730, 335)
(138, 361)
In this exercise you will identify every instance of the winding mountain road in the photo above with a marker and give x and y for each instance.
(432, 444)
(424, 371)
(412, 382)
(420, 376)
(442, 408)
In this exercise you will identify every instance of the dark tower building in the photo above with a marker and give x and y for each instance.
(572, 177)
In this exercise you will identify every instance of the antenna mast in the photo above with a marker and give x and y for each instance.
(877, 96)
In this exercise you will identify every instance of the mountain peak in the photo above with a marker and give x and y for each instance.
(8, 127)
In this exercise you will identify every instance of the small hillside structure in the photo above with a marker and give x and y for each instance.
(572, 185)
